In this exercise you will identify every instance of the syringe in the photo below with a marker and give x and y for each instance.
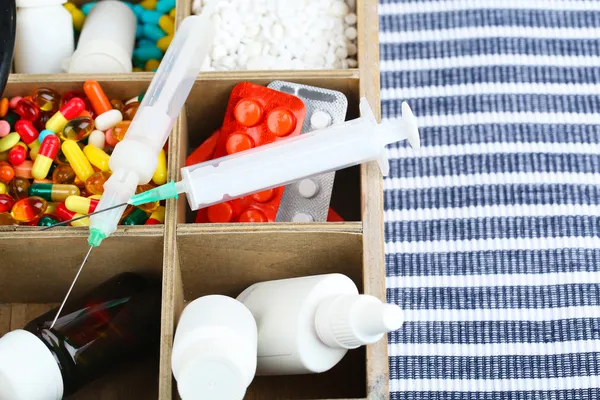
(282, 162)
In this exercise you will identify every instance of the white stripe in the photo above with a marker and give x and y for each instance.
(490, 349)
(500, 210)
(490, 88)
(494, 148)
(462, 281)
(488, 60)
(456, 5)
(493, 385)
(477, 32)
(507, 118)
(503, 314)
(492, 244)
(499, 178)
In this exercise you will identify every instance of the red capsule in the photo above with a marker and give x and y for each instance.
(17, 155)
(63, 213)
(6, 203)
(72, 108)
(27, 131)
(50, 147)
(27, 110)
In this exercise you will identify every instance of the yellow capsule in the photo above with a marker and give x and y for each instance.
(41, 166)
(167, 24)
(51, 208)
(82, 205)
(4, 156)
(80, 222)
(151, 65)
(173, 13)
(137, 69)
(160, 175)
(57, 122)
(157, 217)
(164, 42)
(78, 19)
(149, 4)
(97, 157)
(34, 149)
(9, 141)
(3, 188)
(70, 6)
(77, 159)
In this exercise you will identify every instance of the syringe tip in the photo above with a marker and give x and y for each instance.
(96, 237)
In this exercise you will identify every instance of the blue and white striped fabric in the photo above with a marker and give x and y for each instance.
(493, 231)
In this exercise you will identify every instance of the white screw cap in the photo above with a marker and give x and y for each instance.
(350, 321)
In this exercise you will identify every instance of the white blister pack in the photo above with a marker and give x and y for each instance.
(308, 200)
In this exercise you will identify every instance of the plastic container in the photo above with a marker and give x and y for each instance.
(115, 323)
(214, 350)
(135, 158)
(306, 325)
(44, 36)
(107, 40)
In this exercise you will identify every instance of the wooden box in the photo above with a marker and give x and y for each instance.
(36, 268)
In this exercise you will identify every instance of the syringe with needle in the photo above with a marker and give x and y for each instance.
(290, 160)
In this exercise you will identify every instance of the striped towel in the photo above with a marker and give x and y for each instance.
(493, 232)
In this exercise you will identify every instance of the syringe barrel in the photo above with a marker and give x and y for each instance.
(337, 147)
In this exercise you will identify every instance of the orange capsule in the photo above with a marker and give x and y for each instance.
(148, 207)
(120, 130)
(95, 183)
(28, 209)
(95, 94)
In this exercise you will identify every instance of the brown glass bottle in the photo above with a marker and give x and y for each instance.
(113, 324)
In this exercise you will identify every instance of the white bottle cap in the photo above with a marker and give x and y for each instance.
(28, 370)
(38, 3)
(99, 57)
(350, 321)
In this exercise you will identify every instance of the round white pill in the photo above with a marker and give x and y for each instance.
(350, 19)
(339, 8)
(351, 49)
(351, 33)
(97, 139)
(308, 188)
(218, 52)
(352, 63)
(341, 53)
(302, 217)
(107, 120)
(320, 119)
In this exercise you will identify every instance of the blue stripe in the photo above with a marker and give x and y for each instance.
(500, 46)
(506, 133)
(496, 297)
(495, 367)
(573, 394)
(493, 262)
(484, 332)
(487, 195)
(581, 104)
(492, 228)
(488, 74)
(489, 18)
(469, 164)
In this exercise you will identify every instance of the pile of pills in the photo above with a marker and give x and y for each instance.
(282, 34)
(155, 29)
(54, 156)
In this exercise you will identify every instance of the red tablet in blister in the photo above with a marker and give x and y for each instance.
(258, 207)
(257, 115)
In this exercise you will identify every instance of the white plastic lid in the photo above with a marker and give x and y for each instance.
(28, 370)
(350, 321)
(39, 3)
(100, 57)
(211, 379)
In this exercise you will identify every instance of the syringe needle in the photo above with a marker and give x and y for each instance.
(71, 288)
(82, 216)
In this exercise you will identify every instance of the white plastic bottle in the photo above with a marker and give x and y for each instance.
(106, 41)
(44, 36)
(214, 351)
(306, 325)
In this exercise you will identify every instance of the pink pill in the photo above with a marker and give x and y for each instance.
(4, 128)
(110, 139)
(13, 102)
(24, 170)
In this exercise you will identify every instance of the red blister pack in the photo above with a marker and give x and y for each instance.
(205, 151)
(333, 216)
(258, 207)
(257, 115)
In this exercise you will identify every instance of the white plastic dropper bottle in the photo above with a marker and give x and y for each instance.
(307, 325)
(214, 351)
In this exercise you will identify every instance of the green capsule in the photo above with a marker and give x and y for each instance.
(136, 217)
(47, 220)
(53, 191)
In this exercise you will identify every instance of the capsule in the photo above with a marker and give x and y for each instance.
(47, 220)
(64, 215)
(18, 154)
(3, 188)
(9, 141)
(51, 209)
(19, 188)
(46, 99)
(53, 192)
(117, 104)
(157, 217)
(63, 174)
(45, 158)
(95, 94)
(148, 207)
(136, 217)
(160, 175)
(82, 205)
(97, 139)
(120, 130)
(6, 219)
(95, 183)
(6, 203)
(67, 112)
(34, 149)
(27, 110)
(97, 157)
(77, 129)
(26, 131)
(77, 159)
(40, 123)
(28, 209)
(130, 110)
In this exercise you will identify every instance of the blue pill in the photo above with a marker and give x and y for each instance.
(153, 32)
(138, 63)
(147, 53)
(165, 6)
(139, 11)
(151, 17)
(87, 7)
(145, 43)
(43, 134)
(139, 31)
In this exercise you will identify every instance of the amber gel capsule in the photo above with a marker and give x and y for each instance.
(114, 324)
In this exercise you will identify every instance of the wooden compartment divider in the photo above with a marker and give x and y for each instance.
(194, 260)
